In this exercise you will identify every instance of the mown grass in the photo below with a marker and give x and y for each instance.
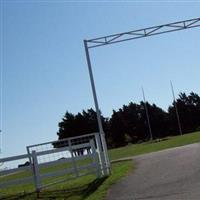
(84, 188)
(90, 188)
(147, 147)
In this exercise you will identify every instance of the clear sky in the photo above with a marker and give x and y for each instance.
(44, 71)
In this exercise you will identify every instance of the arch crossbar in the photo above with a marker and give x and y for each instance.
(121, 37)
(145, 32)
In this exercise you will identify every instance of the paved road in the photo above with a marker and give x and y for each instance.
(172, 174)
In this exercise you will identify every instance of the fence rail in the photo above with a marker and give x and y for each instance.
(59, 161)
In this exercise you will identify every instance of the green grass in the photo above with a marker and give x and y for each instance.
(147, 147)
(90, 188)
(85, 188)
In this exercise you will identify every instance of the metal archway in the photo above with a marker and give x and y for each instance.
(122, 37)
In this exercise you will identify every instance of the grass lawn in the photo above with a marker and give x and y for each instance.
(90, 188)
(85, 188)
(147, 147)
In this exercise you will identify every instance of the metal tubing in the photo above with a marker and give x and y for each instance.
(177, 114)
(102, 134)
(36, 172)
(147, 114)
(125, 36)
(145, 32)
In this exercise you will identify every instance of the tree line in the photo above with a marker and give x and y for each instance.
(129, 124)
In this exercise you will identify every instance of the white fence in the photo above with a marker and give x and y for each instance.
(55, 162)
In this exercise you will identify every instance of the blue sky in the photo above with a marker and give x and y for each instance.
(44, 68)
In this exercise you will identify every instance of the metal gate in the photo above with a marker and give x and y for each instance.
(56, 162)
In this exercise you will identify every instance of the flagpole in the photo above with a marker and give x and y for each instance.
(177, 114)
(147, 115)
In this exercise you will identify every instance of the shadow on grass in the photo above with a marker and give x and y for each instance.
(81, 192)
(93, 186)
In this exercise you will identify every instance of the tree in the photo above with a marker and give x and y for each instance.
(117, 129)
(129, 123)
(67, 127)
(133, 120)
(158, 121)
(189, 112)
(80, 124)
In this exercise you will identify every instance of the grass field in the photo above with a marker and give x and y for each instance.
(85, 188)
(90, 188)
(147, 147)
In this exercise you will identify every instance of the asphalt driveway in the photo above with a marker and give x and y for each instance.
(172, 174)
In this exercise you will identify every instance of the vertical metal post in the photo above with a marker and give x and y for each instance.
(95, 159)
(99, 151)
(177, 114)
(36, 172)
(30, 156)
(102, 134)
(73, 159)
(147, 115)
(1, 145)
(1, 73)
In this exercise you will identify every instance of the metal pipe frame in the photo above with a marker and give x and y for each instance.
(102, 134)
(145, 32)
(176, 109)
(147, 115)
(122, 37)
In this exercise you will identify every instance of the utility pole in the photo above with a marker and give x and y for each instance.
(177, 114)
(147, 115)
